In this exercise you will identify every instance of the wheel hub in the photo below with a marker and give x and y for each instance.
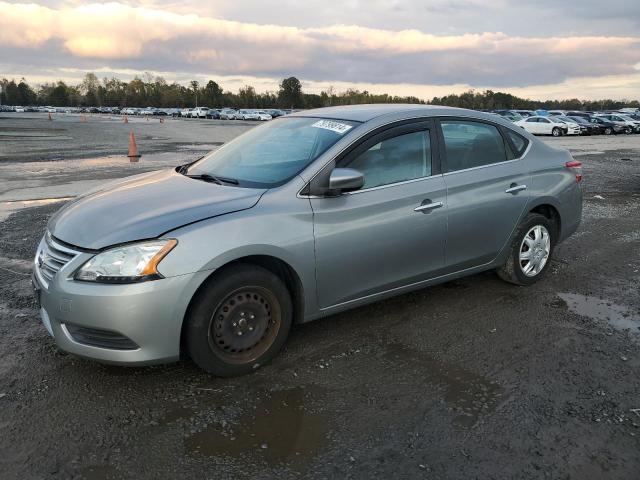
(241, 322)
(534, 250)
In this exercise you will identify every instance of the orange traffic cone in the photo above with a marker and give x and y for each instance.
(50, 116)
(161, 120)
(83, 118)
(133, 149)
(126, 120)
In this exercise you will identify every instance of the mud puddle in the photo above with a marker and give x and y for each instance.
(281, 429)
(617, 316)
(468, 394)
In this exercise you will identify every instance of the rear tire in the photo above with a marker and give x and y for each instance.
(238, 321)
(531, 250)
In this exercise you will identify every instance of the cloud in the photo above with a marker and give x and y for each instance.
(165, 37)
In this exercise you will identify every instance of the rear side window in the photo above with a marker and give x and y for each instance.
(471, 144)
(518, 143)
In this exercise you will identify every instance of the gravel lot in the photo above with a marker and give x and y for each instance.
(471, 379)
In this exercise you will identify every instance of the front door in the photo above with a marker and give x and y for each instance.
(391, 232)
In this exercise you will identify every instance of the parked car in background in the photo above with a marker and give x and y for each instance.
(199, 112)
(263, 116)
(581, 129)
(218, 258)
(49, 109)
(633, 120)
(539, 125)
(590, 128)
(246, 114)
(228, 114)
(609, 127)
(148, 111)
(185, 112)
(213, 114)
(525, 113)
(275, 113)
(128, 111)
(18, 109)
(510, 115)
(627, 125)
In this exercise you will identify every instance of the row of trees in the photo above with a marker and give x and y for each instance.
(150, 91)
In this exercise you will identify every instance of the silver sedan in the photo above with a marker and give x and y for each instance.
(303, 217)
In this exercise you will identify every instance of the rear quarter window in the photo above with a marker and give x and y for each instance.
(518, 144)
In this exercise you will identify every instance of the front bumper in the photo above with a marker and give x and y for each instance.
(134, 324)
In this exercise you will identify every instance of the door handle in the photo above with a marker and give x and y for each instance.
(515, 188)
(427, 207)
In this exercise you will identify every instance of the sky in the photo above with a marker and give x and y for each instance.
(543, 49)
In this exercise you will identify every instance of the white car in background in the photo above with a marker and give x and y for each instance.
(247, 115)
(18, 109)
(263, 116)
(50, 109)
(572, 124)
(128, 111)
(547, 126)
(199, 112)
(185, 112)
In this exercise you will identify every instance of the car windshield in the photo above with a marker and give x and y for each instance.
(272, 154)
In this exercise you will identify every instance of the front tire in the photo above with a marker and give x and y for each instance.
(531, 251)
(238, 321)
(608, 131)
(556, 132)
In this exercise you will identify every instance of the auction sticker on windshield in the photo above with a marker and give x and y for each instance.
(339, 128)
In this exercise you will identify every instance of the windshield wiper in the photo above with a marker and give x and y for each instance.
(213, 178)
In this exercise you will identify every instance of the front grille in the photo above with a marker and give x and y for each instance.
(50, 259)
(100, 338)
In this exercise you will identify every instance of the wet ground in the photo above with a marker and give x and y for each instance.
(474, 378)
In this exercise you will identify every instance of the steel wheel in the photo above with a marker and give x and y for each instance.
(534, 250)
(245, 325)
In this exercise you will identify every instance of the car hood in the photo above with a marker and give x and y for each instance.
(145, 206)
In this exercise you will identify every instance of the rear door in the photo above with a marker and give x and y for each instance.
(532, 125)
(391, 232)
(487, 188)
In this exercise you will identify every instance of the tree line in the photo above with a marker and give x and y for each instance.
(149, 91)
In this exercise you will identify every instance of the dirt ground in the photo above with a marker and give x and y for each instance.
(474, 378)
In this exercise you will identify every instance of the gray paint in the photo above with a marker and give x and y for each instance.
(145, 207)
(347, 250)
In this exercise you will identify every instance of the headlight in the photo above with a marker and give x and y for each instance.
(132, 263)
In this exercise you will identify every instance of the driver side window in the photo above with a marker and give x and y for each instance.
(395, 159)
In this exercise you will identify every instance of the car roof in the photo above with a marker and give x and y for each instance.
(367, 112)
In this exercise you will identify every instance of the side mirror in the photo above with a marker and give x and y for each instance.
(345, 180)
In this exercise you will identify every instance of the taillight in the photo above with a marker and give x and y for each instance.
(576, 167)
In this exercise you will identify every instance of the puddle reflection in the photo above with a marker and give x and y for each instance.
(280, 429)
(618, 316)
